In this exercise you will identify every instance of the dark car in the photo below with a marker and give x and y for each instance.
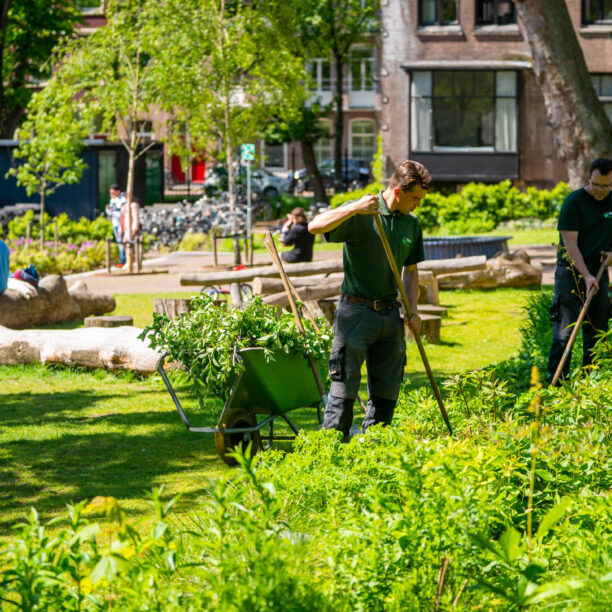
(355, 173)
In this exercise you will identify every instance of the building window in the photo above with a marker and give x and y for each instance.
(319, 70)
(597, 11)
(495, 12)
(438, 12)
(463, 110)
(323, 146)
(603, 87)
(274, 155)
(362, 68)
(363, 139)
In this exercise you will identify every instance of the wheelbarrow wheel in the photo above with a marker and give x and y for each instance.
(227, 442)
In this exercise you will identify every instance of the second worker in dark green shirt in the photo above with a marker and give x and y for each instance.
(367, 324)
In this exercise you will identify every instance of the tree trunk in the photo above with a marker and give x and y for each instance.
(339, 124)
(6, 5)
(127, 221)
(313, 171)
(42, 214)
(581, 129)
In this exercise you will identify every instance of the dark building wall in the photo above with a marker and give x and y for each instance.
(83, 199)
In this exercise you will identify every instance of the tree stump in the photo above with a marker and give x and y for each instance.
(172, 307)
(430, 328)
(109, 321)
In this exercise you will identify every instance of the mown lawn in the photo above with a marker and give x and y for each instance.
(68, 435)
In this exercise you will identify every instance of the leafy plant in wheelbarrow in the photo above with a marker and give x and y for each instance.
(255, 359)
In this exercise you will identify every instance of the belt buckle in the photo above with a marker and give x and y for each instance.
(379, 305)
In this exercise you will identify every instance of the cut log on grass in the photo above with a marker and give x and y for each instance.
(115, 348)
(306, 293)
(52, 303)
(244, 276)
(267, 286)
(457, 264)
(428, 288)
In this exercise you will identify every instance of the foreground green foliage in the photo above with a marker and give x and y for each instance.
(207, 339)
(512, 513)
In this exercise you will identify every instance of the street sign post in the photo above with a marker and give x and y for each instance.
(247, 154)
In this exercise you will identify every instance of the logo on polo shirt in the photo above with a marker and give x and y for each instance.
(406, 241)
(608, 215)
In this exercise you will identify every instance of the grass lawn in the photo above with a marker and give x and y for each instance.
(68, 435)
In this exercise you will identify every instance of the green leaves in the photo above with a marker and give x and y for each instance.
(207, 340)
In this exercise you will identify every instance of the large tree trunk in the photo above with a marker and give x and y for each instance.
(338, 174)
(581, 129)
(313, 171)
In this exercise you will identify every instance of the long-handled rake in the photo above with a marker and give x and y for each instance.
(417, 337)
(570, 343)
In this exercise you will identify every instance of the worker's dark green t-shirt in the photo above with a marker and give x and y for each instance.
(592, 219)
(367, 273)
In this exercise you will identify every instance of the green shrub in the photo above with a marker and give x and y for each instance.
(479, 208)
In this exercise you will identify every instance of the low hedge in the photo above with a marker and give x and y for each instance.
(477, 208)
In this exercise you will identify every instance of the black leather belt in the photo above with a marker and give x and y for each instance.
(374, 304)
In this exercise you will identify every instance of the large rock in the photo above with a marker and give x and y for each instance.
(52, 303)
(503, 270)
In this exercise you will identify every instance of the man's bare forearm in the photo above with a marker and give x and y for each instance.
(331, 219)
(410, 279)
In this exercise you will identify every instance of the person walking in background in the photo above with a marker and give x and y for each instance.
(367, 324)
(585, 231)
(129, 232)
(113, 210)
(295, 232)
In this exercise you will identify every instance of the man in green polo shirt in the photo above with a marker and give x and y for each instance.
(585, 228)
(367, 325)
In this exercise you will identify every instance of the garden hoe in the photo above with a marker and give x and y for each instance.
(417, 337)
(292, 293)
(269, 242)
(587, 302)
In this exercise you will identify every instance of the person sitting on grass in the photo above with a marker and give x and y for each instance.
(295, 232)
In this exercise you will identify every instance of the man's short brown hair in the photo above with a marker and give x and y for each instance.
(408, 174)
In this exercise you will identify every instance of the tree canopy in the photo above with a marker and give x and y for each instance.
(29, 31)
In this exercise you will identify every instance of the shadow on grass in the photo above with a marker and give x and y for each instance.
(64, 457)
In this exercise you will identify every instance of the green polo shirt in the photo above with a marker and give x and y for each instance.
(366, 270)
(592, 219)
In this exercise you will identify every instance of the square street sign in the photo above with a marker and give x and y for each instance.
(247, 152)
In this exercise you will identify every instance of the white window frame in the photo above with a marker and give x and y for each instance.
(352, 123)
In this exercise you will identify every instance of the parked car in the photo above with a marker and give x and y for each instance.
(356, 173)
(263, 182)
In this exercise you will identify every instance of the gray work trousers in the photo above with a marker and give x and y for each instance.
(378, 337)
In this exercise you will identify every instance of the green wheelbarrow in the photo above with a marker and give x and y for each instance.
(267, 388)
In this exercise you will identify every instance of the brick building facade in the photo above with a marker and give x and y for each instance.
(458, 92)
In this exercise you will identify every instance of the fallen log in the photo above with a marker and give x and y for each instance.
(244, 276)
(266, 286)
(315, 292)
(52, 302)
(457, 264)
(113, 348)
